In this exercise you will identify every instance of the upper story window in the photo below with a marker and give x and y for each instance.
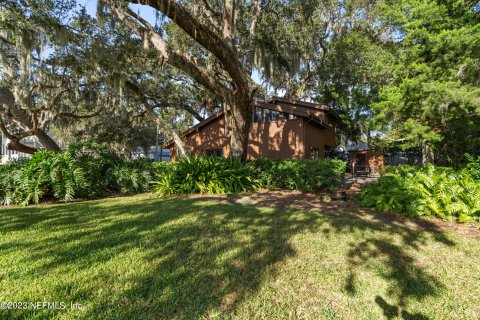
(258, 115)
(267, 115)
(271, 115)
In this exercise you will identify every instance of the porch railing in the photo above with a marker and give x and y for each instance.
(360, 170)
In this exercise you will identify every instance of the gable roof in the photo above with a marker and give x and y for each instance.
(295, 107)
(202, 123)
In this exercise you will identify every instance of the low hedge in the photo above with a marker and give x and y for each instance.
(219, 175)
(87, 171)
(299, 174)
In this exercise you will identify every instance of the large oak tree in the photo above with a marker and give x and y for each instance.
(218, 64)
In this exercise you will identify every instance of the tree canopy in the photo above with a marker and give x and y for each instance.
(401, 73)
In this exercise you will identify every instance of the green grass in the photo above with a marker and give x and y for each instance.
(146, 258)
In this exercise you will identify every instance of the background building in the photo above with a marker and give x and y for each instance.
(7, 154)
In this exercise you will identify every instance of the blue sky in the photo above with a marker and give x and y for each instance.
(145, 11)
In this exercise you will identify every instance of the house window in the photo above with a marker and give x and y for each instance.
(257, 115)
(314, 152)
(213, 152)
(261, 115)
(274, 115)
(292, 117)
(266, 113)
(271, 115)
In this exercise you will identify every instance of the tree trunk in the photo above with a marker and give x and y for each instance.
(146, 150)
(427, 152)
(238, 94)
(238, 116)
(176, 138)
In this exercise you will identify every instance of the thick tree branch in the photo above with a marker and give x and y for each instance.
(193, 112)
(256, 14)
(5, 131)
(228, 20)
(20, 147)
(173, 57)
(15, 143)
(158, 120)
(222, 49)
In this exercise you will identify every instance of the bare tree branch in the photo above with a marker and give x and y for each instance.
(76, 116)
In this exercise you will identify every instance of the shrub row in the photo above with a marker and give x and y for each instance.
(204, 175)
(426, 191)
(299, 174)
(87, 171)
(82, 171)
(218, 175)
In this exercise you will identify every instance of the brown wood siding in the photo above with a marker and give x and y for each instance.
(283, 139)
(276, 139)
(316, 137)
(211, 136)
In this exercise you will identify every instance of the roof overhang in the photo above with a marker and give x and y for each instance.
(293, 102)
(295, 107)
(294, 110)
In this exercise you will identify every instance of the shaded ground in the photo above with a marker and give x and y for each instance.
(323, 202)
(257, 256)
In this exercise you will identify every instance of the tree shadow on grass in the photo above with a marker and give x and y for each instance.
(202, 257)
(406, 278)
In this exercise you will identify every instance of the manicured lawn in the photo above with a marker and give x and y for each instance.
(146, 258)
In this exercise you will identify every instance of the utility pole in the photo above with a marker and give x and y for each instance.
(161, 148)
(156, 157)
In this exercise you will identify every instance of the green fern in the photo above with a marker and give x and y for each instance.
(427, 191)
